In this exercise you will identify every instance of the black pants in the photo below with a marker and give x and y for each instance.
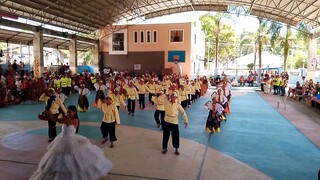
(184, 103)
(189, 99)
(52, 130)
(131, 105)
(109, 130)
(197, 94)
(172, 129)
(68, 89)
(156, 117)
(142, 103)
(275, 89)
(150, 97)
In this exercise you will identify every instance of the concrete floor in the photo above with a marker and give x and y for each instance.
(137, 154)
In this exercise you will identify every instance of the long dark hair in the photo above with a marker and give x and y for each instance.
(73, 108)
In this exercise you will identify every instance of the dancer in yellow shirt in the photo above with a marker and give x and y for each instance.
(171, 123)
(110, 119)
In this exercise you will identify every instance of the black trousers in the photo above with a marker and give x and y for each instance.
(156, 117)
(142, 103)
(172, 129)
(189, 99)
(52, 130)
(131, 105)
(184, 103)
(150, 97)
(109, 130)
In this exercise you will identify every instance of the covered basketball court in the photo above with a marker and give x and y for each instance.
(259, 140)
(86, 16)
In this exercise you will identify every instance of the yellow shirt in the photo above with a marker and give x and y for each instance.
(183, 95)
(111, 113)
(197, 86)
(131, 92)
(159, 101)
(158, 88)
(166, 84)
(152, 87)
(171, 113)
(187, 87)
(56, 104)
(142, 88)
(117, 99)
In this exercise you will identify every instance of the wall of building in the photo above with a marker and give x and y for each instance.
(147, 61)
(136, 52)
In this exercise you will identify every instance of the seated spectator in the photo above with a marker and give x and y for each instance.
(234, 82)
(10, 99)
(250, 80)
(242, 81)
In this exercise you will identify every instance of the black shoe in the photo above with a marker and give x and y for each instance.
(132, 114)
(129, 113)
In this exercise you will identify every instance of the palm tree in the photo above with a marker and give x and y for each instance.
(279, 43)
(262, 38)
(216, 31)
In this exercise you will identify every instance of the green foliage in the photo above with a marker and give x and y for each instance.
(303, 33)
(274, 31)
(93, 35)
(219, 35)
(250, 66)
(246, 39)
(299, 56)
(87, 57)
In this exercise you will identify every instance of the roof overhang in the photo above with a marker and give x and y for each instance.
(89, 15)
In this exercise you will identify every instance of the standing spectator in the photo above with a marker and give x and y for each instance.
(171, 126)
(22, 69)
(15, 66)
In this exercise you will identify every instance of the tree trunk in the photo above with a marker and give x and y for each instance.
(260, 52)
(255, 57)
(216, 58)
(286, 50)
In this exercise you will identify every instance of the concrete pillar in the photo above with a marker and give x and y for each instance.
(73, 55)
(38, 52)
(96, 49)
(312, 54)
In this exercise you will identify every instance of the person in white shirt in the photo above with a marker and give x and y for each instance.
(101, 90)
(83, 103)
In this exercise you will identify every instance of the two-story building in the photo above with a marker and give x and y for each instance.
(154, 48)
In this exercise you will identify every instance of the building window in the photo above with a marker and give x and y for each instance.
(135, 37)
(118, 42)
(155, 37)
(148, 38)
(195, 39)
(142, 37)
(176, 35)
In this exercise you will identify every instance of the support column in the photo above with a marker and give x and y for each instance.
(73, 55)
(38, 52)
(312, 54)
(96, 50)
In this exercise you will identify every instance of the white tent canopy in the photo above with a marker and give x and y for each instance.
(268, 60)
